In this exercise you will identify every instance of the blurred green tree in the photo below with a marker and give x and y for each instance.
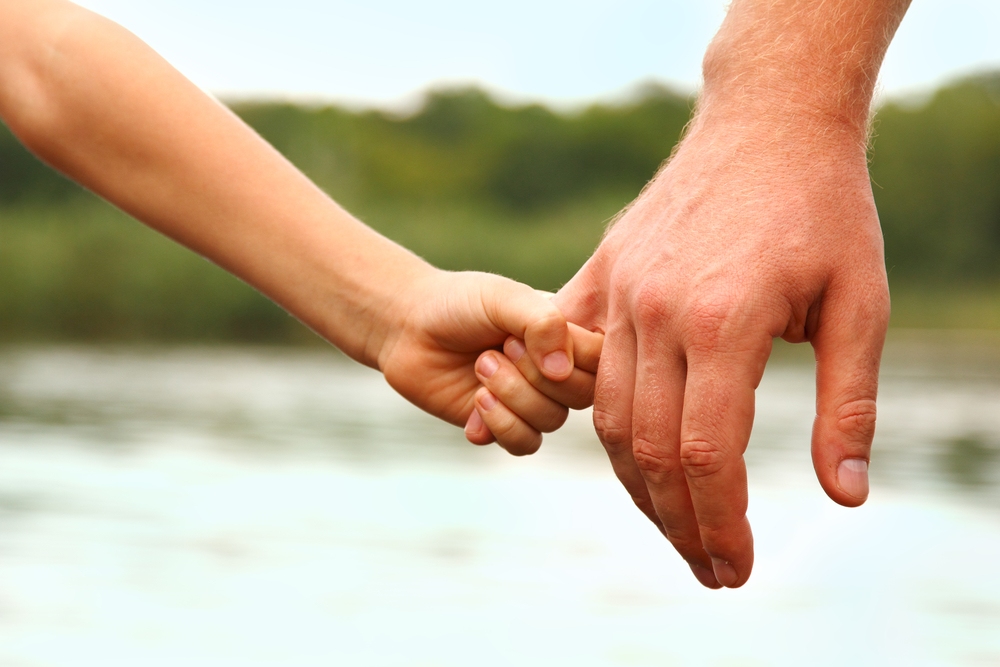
(471, 183)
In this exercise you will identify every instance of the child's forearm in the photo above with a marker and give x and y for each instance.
(98, 104)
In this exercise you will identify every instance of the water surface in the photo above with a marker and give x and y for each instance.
(226, 506)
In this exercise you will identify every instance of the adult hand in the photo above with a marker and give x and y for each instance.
(754, 230)
(762, 225)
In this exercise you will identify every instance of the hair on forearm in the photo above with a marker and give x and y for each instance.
(818, 56)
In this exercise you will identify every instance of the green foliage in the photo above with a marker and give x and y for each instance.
(469, 183)
(24, 178)
(936, 170)
(462, 146)
(85, 271)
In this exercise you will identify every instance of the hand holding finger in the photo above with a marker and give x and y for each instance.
(531, 316)
(504, 381)
(511, 432)
(575, 392)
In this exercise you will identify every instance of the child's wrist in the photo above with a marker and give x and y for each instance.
(375, 315)
(351, 284)
(410, 288)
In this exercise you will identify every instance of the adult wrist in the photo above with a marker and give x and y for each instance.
(814, 63)
(791, 94)
(733, 137)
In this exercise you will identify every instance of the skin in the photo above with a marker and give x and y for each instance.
(762, 225)
(517, 403)
(99, 105)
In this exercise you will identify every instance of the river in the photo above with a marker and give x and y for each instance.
(239, 506)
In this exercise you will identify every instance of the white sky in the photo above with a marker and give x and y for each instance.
(383, 53)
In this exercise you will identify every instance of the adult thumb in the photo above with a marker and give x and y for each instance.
(848, 345)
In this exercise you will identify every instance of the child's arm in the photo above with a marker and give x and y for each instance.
(98, 104)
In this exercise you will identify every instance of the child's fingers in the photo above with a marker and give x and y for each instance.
(529, 315)
(512, 432)
(504, 381)
(576, 392)
(476, 431)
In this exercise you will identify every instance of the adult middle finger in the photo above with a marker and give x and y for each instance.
(656, 424)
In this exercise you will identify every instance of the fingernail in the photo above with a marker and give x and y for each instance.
(488, 365)
(556, 363)
(515, 350)
(488, 401)
(724, 572)
(852, 476)
(704, 576)
(475, 424)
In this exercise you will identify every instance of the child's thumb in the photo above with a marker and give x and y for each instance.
(531, 316)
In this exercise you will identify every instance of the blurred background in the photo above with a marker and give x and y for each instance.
(186, 473)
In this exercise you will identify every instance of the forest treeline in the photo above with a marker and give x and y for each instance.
(470, 183)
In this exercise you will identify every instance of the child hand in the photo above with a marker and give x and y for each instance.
(517, 403)
(443, 321)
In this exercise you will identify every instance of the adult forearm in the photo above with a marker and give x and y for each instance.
(99, 105)
(779, 60)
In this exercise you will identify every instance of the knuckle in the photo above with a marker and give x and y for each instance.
(651, 307)
(655, 463)
(708, 318)
(548, 322)
(701, 458)
(856, 420)
(613, 432)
